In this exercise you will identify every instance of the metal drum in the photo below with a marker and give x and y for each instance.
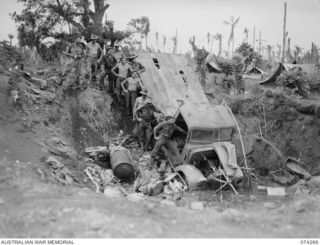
(121, 164)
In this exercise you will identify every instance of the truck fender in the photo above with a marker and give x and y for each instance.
(193, 176)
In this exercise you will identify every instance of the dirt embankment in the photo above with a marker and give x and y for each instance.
(35, 202)
(292, 126)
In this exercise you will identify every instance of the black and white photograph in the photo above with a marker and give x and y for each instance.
(149, 119)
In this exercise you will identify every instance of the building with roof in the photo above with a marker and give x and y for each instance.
(213, 67)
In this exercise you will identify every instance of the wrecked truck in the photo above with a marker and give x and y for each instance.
(206, 152)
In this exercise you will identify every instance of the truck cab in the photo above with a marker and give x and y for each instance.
(207, 146)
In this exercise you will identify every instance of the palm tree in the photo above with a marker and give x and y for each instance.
(269, 49)
(296, 52)
(246, 33)
(164, 43)
(219, 37)
(232, 24)
(279, 52)
(289, 58)
(208, 40)
(174, 40)
(11, 36)
(141, 26)
(211, 45)
(157, 40)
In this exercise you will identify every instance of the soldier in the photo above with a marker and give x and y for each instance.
(74, 70)
(123, 71)
(165, 130)
(94, 53)
(146, 120)
(133, 83)
(118, 54)
(134, 65)
(108, 61)
(140, 101)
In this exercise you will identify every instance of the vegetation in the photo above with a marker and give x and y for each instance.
(249, 56)
(141, 26)
(63, 20)
(9, 54)
(233, 22)
(200, 55)
(295, 80)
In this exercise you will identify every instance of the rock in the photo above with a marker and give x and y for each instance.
(1, 201)
(197, 205)
(168, 203)
(113, 192)
(135, 197)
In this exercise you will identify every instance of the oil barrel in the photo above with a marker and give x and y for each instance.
(120, 161)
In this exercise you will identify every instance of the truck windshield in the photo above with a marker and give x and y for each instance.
(201, 135)
(210, 135)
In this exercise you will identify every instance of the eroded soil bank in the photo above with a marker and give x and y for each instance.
(36, 202)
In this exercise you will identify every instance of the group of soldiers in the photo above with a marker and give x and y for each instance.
(121, 74)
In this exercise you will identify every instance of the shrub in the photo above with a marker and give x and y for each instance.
(295, 80)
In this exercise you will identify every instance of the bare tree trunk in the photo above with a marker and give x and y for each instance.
(254, 37)
(259, 47)
(284, 33)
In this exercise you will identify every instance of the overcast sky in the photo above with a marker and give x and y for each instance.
(198, 17)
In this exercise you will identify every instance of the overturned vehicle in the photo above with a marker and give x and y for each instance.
(206, 152)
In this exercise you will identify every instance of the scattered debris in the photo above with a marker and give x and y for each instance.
(99, 177)
(276, 191)
(60, 172)
(297, 168)
(121, 162)
(59, 147)
(282, 177)
(42, 84)
(261, 187)
(299, 188)
(97, 152)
